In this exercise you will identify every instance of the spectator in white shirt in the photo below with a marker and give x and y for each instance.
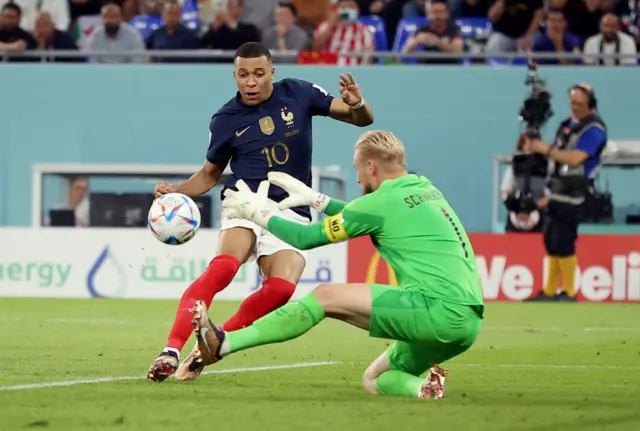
(610, 41)
(116, 36)
(58, 9)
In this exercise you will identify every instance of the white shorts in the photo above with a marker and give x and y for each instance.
(266, 242)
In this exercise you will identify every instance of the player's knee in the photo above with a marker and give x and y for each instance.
(369, 381)
(285, 264)
(326, 294)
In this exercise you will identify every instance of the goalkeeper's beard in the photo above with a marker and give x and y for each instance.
(368, 188)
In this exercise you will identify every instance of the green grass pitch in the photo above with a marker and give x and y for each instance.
(534, 367)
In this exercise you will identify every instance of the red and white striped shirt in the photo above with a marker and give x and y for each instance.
(347, 38)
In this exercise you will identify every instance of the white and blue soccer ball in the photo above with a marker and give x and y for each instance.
(174, 218)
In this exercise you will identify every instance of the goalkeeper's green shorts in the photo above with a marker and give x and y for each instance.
(427, 331)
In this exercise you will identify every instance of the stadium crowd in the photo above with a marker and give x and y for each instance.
(321, 31)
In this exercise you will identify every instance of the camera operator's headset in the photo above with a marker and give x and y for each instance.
(586, 89)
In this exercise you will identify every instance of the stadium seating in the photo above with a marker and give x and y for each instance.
(406, 28)
(377, 27)
(473, 28)
(146, 24)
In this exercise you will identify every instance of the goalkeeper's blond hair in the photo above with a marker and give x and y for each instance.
(382, 146)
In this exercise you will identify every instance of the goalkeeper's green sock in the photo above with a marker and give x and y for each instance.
(394, 382)
(285, 323)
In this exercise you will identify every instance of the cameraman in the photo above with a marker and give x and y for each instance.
(576, 151)
(524, 190)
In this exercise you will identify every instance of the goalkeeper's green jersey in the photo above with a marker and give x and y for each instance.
(413, 228)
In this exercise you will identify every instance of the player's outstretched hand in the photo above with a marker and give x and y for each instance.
(163, 189)
(248, 205)
(300, 195)
(349, 90)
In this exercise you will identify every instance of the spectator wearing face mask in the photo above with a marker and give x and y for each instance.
(610, 41)
(342, 34)
(285, 35)
(115, 36)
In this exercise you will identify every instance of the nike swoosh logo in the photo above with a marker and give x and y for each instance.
(238, 134)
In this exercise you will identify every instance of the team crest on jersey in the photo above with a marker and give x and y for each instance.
(267, 126)
(287, 117)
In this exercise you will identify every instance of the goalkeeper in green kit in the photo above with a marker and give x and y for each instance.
(434, 315)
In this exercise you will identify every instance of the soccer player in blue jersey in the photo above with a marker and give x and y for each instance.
(266, 127)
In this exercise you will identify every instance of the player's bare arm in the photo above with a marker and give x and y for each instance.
(198, 184)
(352, 108)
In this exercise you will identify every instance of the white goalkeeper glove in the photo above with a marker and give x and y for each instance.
(299, 194)
(248, 205)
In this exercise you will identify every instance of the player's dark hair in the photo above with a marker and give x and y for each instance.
(12, 6)
(252, 50)
(290, 6)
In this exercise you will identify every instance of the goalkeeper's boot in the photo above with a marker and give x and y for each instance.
(191, 367)
(210, 338)
(433, 386)
(164, 366)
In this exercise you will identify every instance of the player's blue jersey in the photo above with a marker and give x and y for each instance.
(275, 135)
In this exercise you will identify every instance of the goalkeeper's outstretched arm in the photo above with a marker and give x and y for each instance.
(338, 227)
(334, 207)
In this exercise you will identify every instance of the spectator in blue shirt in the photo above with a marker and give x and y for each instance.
(556, 38)
(172, 35)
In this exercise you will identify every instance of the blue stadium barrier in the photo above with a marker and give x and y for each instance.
(377, 27)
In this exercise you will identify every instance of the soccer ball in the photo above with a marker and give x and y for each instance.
(174, 218)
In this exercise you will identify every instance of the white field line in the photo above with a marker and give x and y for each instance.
(123, 378)
(302, 365)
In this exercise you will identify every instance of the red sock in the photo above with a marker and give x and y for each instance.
(218, 275)
(275, 292)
